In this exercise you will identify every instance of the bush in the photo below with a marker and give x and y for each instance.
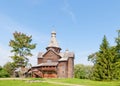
(4, 73)
(82, 71)
(9, 67)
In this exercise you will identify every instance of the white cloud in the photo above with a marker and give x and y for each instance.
(66, 8)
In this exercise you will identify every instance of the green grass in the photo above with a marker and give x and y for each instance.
(87, 82)
(24, 83)
(33, 82)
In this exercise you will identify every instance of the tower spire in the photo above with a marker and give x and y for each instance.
(53, 41)
(53, 34)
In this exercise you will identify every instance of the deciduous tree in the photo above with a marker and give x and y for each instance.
(9, 67)
(21, 47)
(81, 71)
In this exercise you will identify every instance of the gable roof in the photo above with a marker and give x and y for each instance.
(64, 55)
(41, 54)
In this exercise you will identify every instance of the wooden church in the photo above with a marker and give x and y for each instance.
(53, 63)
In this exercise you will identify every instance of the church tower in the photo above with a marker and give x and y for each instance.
(53, 63)
(53, 43)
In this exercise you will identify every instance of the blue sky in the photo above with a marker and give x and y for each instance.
(80, 25)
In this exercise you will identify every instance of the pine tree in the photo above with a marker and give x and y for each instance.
(103, 67)
(118, 44)
(106, 61)
(117, 57)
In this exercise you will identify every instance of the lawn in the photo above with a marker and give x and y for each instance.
(87, 82)
(45, 82)
(25, 83)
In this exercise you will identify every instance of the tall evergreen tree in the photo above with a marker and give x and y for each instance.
(118, 44)
(117, 57)
(106, 61)
(103, 67)
(21, 47)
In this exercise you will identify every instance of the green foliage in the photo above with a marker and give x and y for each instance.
(92, 57)
(82, 71)
(3, 73)
(106, 61)
(117, 55)
(103, 68)
(0, 67)
(118, 43)
(21, 47)
(9, 67)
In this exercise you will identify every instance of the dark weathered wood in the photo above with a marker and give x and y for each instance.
(53, 63)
